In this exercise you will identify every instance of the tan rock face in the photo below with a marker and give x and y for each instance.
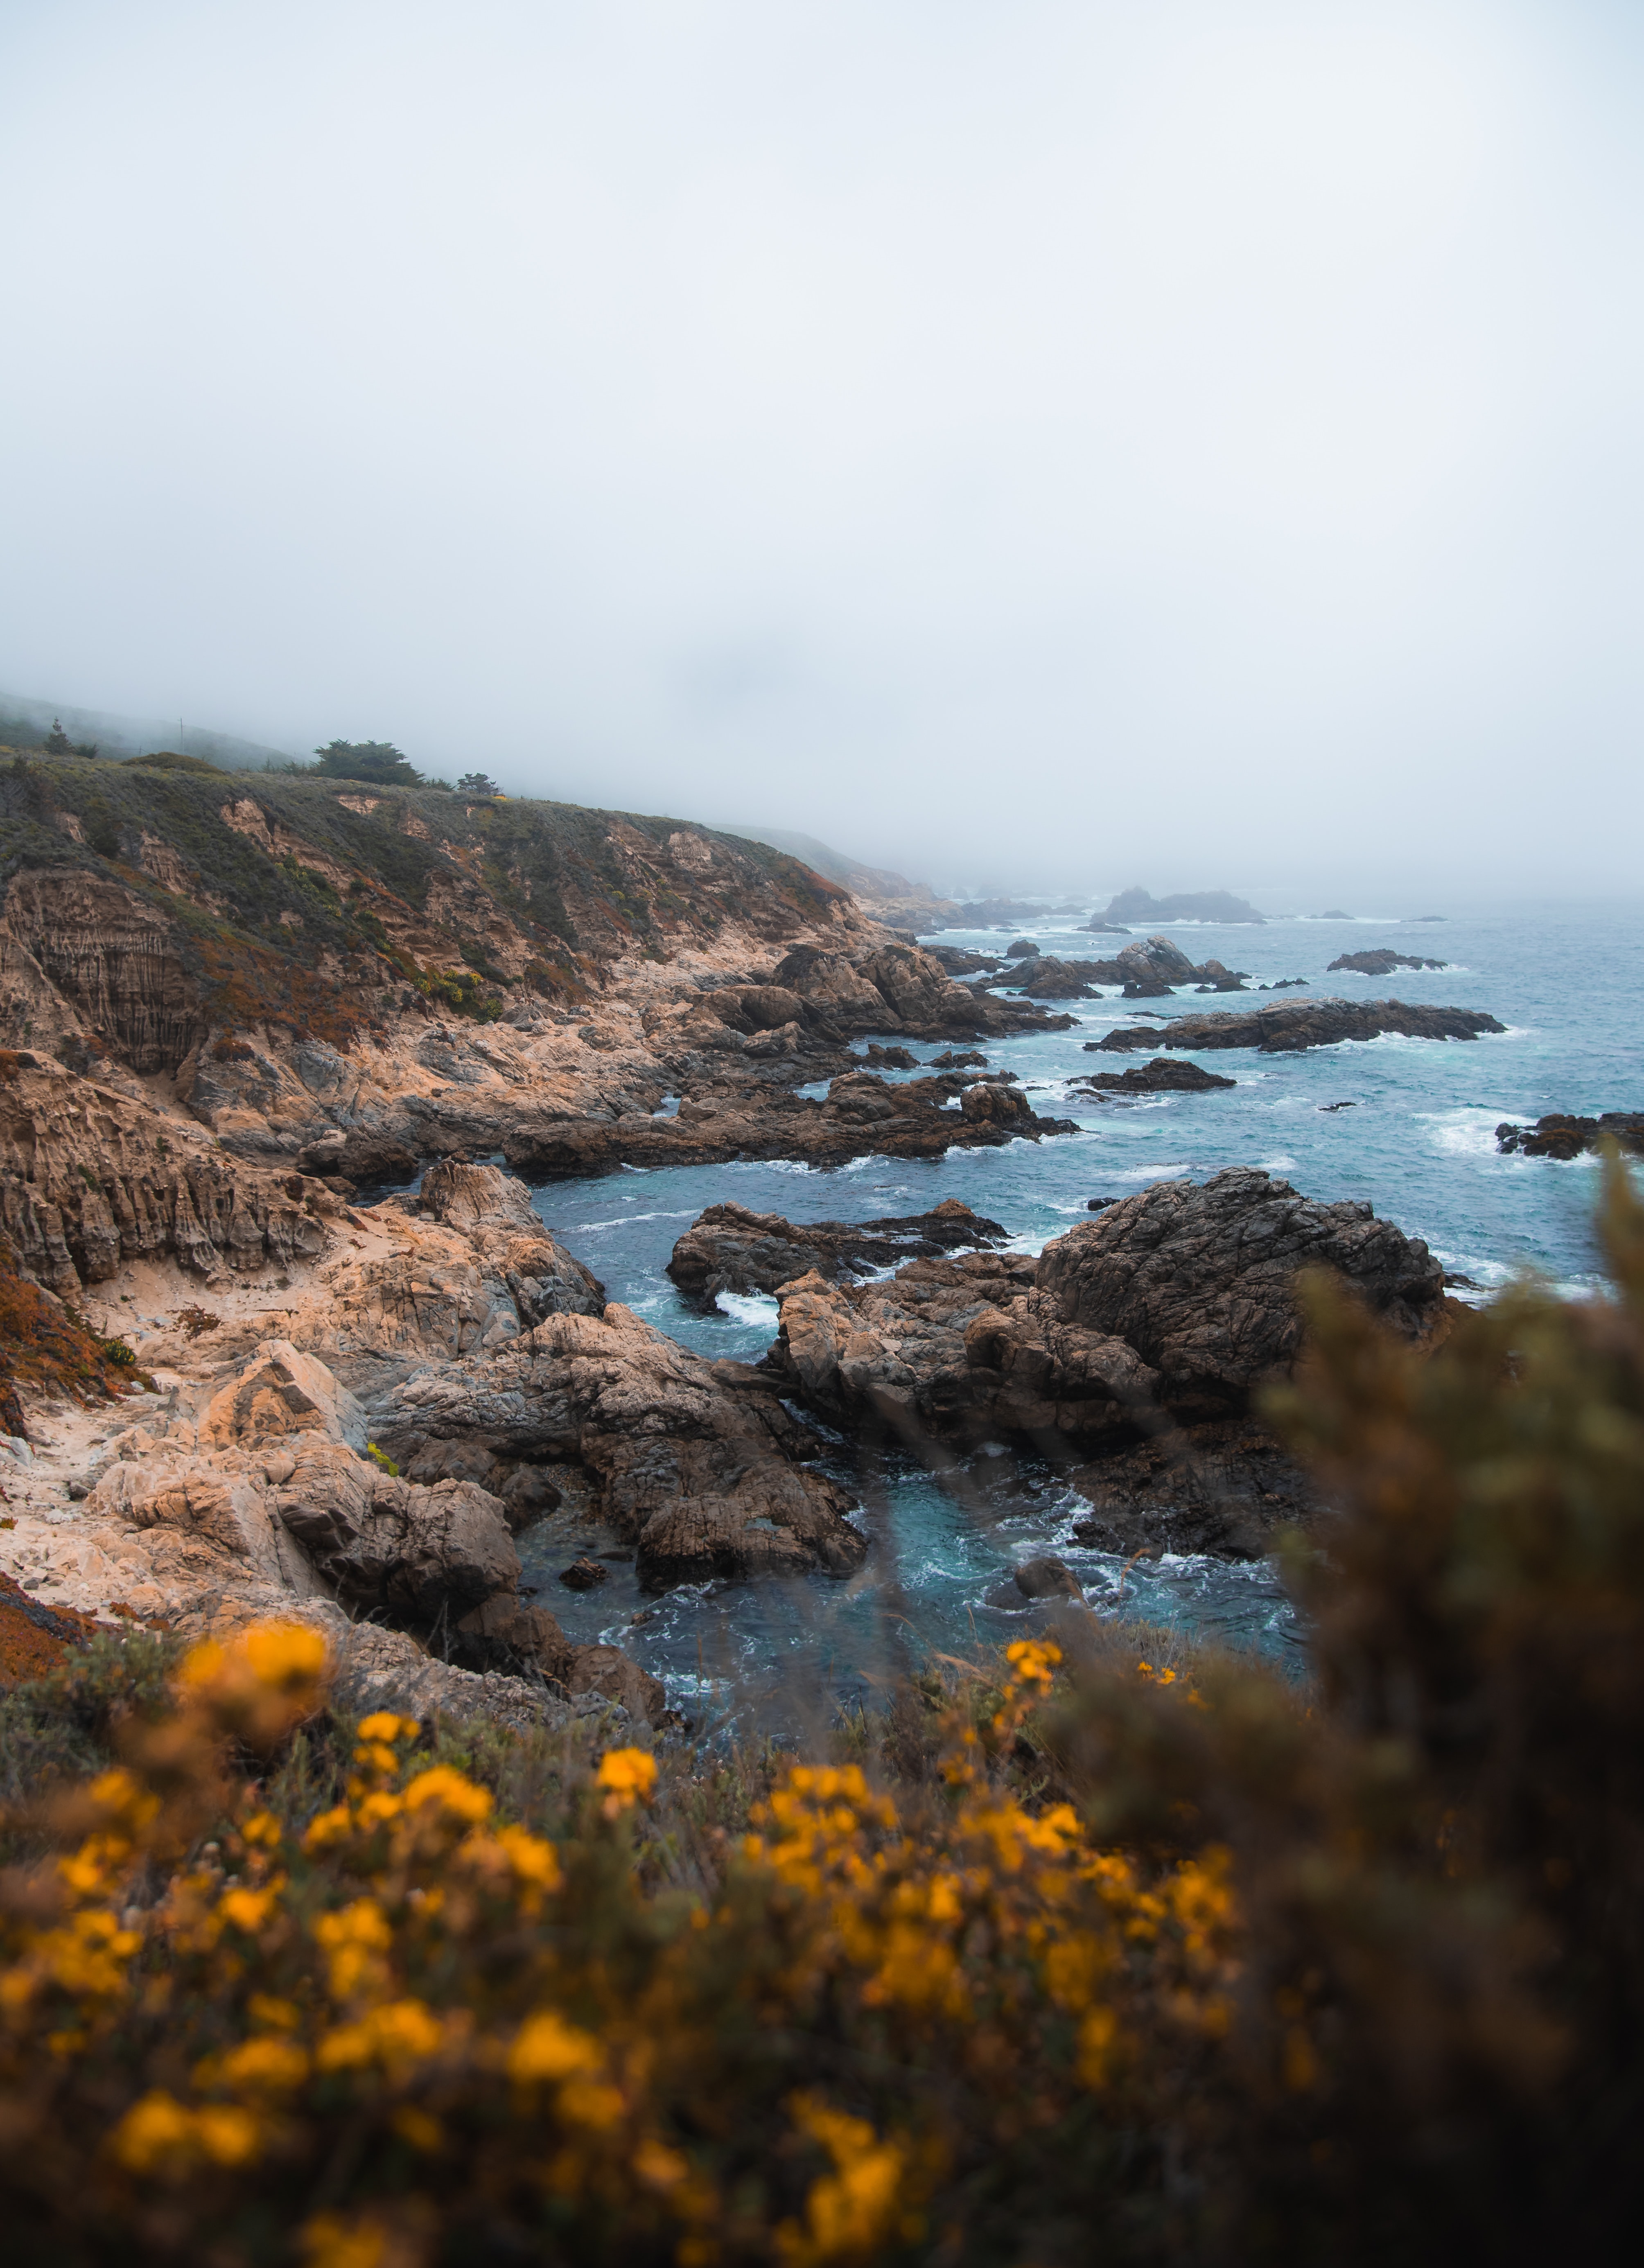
(91, 1177)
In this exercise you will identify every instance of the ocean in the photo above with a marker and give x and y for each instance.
(1418, 1143)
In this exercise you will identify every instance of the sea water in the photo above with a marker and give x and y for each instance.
(1418, 1141)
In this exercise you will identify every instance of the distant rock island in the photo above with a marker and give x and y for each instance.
(1187, 905)
(1382, 961)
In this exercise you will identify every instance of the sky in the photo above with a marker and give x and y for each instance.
(1031, 443)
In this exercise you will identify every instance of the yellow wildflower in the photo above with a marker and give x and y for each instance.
(545, 2047)
(451, 1791)
(627, 1776)
(849, 2212)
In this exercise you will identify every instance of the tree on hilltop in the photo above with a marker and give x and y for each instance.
(478, 783)
(378, 762)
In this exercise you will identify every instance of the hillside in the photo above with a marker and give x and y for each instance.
(159, 905)
(25, 721)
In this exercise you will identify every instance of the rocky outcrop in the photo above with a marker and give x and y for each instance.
(895, 988)
(1382, 961)
(263, 1497)
(1559, 1135)
(1198, 1279)
(728, 1248)
(1165, 1312)
(1160, 1077)
(1023, 949)
(958, 962)
(1299, 1024)
(495, 1214)
(695, 1465)
(1222, 1486)
(1147, 970)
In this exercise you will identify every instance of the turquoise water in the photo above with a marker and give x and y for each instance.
(1419, 1143)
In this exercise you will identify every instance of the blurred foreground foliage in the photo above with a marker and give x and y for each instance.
(1086, 1955)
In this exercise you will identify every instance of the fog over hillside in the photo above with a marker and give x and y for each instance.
(1192, 445)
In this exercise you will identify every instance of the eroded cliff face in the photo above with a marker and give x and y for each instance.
(91, 1178)
(81, 956)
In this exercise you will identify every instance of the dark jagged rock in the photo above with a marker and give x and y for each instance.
(583, 1574)
(1305, 1024)
(1167, 1311)
(1557, 1135)
(1099, 927)
(1148, 969)
(1222, 1486)
(1180, 1297)
(1004, 1108)
(1047, 978)
(1136, 906)
(1216, 978)
(1285, 984)
(728, 1248)
(1197, 1279)
(1382, 961)
(891, 1058)
(959, 1059)
(1024, 949)
(958, 962)
(1160, 1077)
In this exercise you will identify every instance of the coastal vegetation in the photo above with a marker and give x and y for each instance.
(1094, 1946)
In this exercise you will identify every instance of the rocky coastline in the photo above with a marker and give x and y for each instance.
(270, 1046)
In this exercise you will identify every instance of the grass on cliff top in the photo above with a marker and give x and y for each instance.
(235, 926)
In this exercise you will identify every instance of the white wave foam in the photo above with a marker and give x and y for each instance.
(767, 1165)
(1466, 1132)
(588, 1227)
(749, 1308)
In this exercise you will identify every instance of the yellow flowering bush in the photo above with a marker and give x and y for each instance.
(511, 2041)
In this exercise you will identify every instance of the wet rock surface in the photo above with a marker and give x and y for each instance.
(1298, 1024)
(728, 1248)
(1562, 1136)
(861, 1114)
